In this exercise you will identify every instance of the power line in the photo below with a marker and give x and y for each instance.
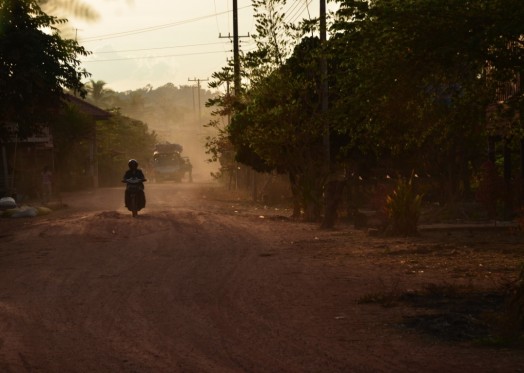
(293, 10)
(151, 28)
(216, 16)
(150, 57)
(307, 8)
(298, 11)
(218, 27)
(150, 49)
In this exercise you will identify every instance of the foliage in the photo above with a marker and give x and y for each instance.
(278, 126)
(409, 83)
(412, 77)
(274, 39)
(275, 124)
(167, 109)
(77, 8)
(403, 207)
(96, 90)
(119, 139)
(36, 65)
(172, 112)
(378, 202)
(218, 146)
(72, 132)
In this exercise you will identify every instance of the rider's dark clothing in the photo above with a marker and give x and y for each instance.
(135, 173)
(132, 173)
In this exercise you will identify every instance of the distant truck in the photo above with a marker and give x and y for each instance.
(169, 164)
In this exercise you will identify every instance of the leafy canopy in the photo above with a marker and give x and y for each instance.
(36, 65)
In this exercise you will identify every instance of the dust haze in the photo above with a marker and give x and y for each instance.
(192, 137)
(177, 115)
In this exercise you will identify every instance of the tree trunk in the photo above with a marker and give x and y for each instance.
(333, 195)
(296, 195)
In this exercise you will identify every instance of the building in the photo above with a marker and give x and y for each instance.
(23, 159)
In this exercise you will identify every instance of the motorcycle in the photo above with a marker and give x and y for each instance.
(134, 196)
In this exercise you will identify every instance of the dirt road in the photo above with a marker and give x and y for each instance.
(204, 283)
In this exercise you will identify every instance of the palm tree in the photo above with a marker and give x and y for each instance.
(96, 90)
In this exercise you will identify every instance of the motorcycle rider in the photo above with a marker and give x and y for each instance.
(131, 173)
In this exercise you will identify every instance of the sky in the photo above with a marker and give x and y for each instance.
(136, 43)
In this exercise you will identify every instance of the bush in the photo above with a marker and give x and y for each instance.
(403, 208)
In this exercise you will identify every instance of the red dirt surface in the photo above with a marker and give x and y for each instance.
(205, 281)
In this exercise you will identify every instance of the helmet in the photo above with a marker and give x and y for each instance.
(132, 163)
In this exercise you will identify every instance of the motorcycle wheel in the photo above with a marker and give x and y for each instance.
(134, 203)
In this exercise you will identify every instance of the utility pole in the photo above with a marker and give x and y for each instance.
(236, 49)
(198, 95)
(324, 83)
(236, 53)
(332, 188)
(76, 33)
(237, 81)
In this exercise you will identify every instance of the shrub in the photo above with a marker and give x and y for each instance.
(403, 207)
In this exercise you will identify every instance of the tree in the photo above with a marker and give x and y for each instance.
(218, 146)
(411, 78)
(409, 84)
(278, 127)
(36, 66)
(119, 139)
(69, 9)
(272, 38)
(72, 135)
(76, 8)
(96, 90)
(275, 123)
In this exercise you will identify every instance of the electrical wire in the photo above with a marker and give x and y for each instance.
(299, 11)
(151, 49)
(307, 7)
(151, 57)
(216, 16)
(152, 28)
(292, 10)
